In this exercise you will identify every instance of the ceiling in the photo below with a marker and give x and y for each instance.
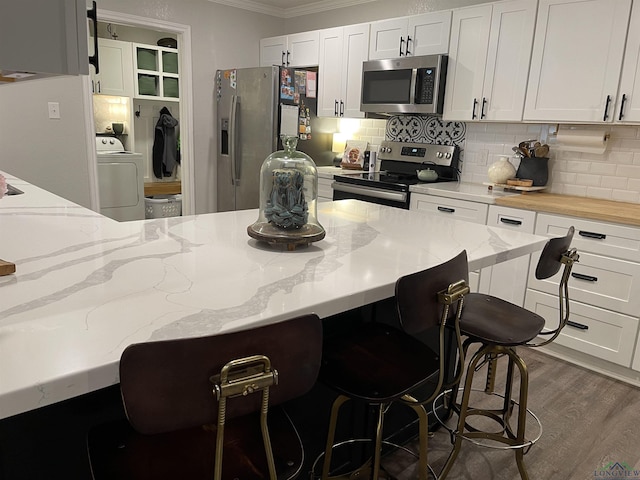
(290, 8)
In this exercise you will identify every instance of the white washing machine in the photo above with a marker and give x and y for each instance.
(120, 180)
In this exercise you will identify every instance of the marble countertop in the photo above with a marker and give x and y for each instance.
(474, 192)
(87, 286)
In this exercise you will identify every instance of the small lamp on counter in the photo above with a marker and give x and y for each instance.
(337, 146)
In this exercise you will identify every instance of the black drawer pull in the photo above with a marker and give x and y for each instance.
(447, 210)
(581, 276)
(511, 221)
(599, 236)
(577, 325)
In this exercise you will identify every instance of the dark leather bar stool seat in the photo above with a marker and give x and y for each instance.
(499, 327)
(197, 407)
(381, 364)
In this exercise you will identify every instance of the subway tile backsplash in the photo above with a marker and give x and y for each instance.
(614, 175)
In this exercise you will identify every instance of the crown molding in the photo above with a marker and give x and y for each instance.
(315, 7)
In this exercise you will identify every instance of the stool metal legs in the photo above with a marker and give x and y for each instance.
(374, 464)
(514, 440)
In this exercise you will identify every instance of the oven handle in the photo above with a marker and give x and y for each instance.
(370, 192)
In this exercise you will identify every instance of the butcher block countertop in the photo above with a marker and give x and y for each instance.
(583, 207)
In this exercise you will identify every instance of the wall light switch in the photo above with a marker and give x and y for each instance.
(54, 110)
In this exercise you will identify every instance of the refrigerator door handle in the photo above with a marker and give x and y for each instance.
(233, 137)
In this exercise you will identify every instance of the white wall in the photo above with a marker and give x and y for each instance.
(49, 153)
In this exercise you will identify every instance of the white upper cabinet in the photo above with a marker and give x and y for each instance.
(489, 61)
(425, 34)
(116, 68)
(296, 50)
(342, 51)
(576, 60)
(628, 105)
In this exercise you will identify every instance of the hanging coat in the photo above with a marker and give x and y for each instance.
(165, 145)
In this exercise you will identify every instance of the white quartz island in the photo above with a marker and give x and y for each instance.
(87, 286)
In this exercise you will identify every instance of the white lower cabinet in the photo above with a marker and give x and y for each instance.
(508, 280)
(603, 289)
(598, 332)
(459, 209)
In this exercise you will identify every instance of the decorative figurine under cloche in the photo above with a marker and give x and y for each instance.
(288, 199)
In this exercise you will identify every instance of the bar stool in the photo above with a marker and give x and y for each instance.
(197, 407)
(499, 327)
(380, 364)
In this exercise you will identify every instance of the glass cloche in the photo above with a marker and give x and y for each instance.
(288, 199)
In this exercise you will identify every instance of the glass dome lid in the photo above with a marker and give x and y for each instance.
(288, 199)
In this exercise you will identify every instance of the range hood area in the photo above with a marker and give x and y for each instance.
(60, 46)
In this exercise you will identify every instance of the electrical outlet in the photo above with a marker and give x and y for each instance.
(54, 110)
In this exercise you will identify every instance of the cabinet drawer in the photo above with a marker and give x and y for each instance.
(606, 282)
(610, 336)
(513, 218)
(458, 209)
(596, 237)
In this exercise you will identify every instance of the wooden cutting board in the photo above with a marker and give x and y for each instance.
(6, 268)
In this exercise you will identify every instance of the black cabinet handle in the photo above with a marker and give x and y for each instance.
(599, 236)
(473, 113)
(581, 276)
(341, 108)
(606, 108)
(624, 99)
(93, 16)
(282, 61)
(99, 87)
(446, 209)
(406, 50)
(288, 53)
(484, 102)
(401, 44)
(511, 221)
(581, 326)
(335, 108)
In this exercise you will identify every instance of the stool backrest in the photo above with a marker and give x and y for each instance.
(550, 259)
(417, 294)
(166, 384)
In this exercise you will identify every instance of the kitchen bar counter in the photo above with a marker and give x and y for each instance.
(87, 286)
(583, 207)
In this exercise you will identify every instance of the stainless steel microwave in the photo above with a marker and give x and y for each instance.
(404, 85)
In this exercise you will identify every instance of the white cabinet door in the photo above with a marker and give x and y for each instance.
(330, 71)
(302, 49)
(342, 51)
(355, 51)
(428, 34)
(628, 108)
(576, 60)
(508, 280)
(467, 59)
(296, 50)
(273, 51)
(507, 67)
(387, 38)
(116, 68)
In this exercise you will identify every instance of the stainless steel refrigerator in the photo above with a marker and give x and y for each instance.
(248, 123)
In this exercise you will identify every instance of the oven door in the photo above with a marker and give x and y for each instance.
(344, 191)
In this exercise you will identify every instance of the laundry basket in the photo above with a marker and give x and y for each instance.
(161, 206)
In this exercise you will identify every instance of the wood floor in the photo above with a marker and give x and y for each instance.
(588, 421)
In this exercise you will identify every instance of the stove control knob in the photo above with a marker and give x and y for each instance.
(104, 141)
(111, 141)
(383, 149)
(447, 155)
(439, 154)
(388, 149)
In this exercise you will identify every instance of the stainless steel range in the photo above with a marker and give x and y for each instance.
(399, 163)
